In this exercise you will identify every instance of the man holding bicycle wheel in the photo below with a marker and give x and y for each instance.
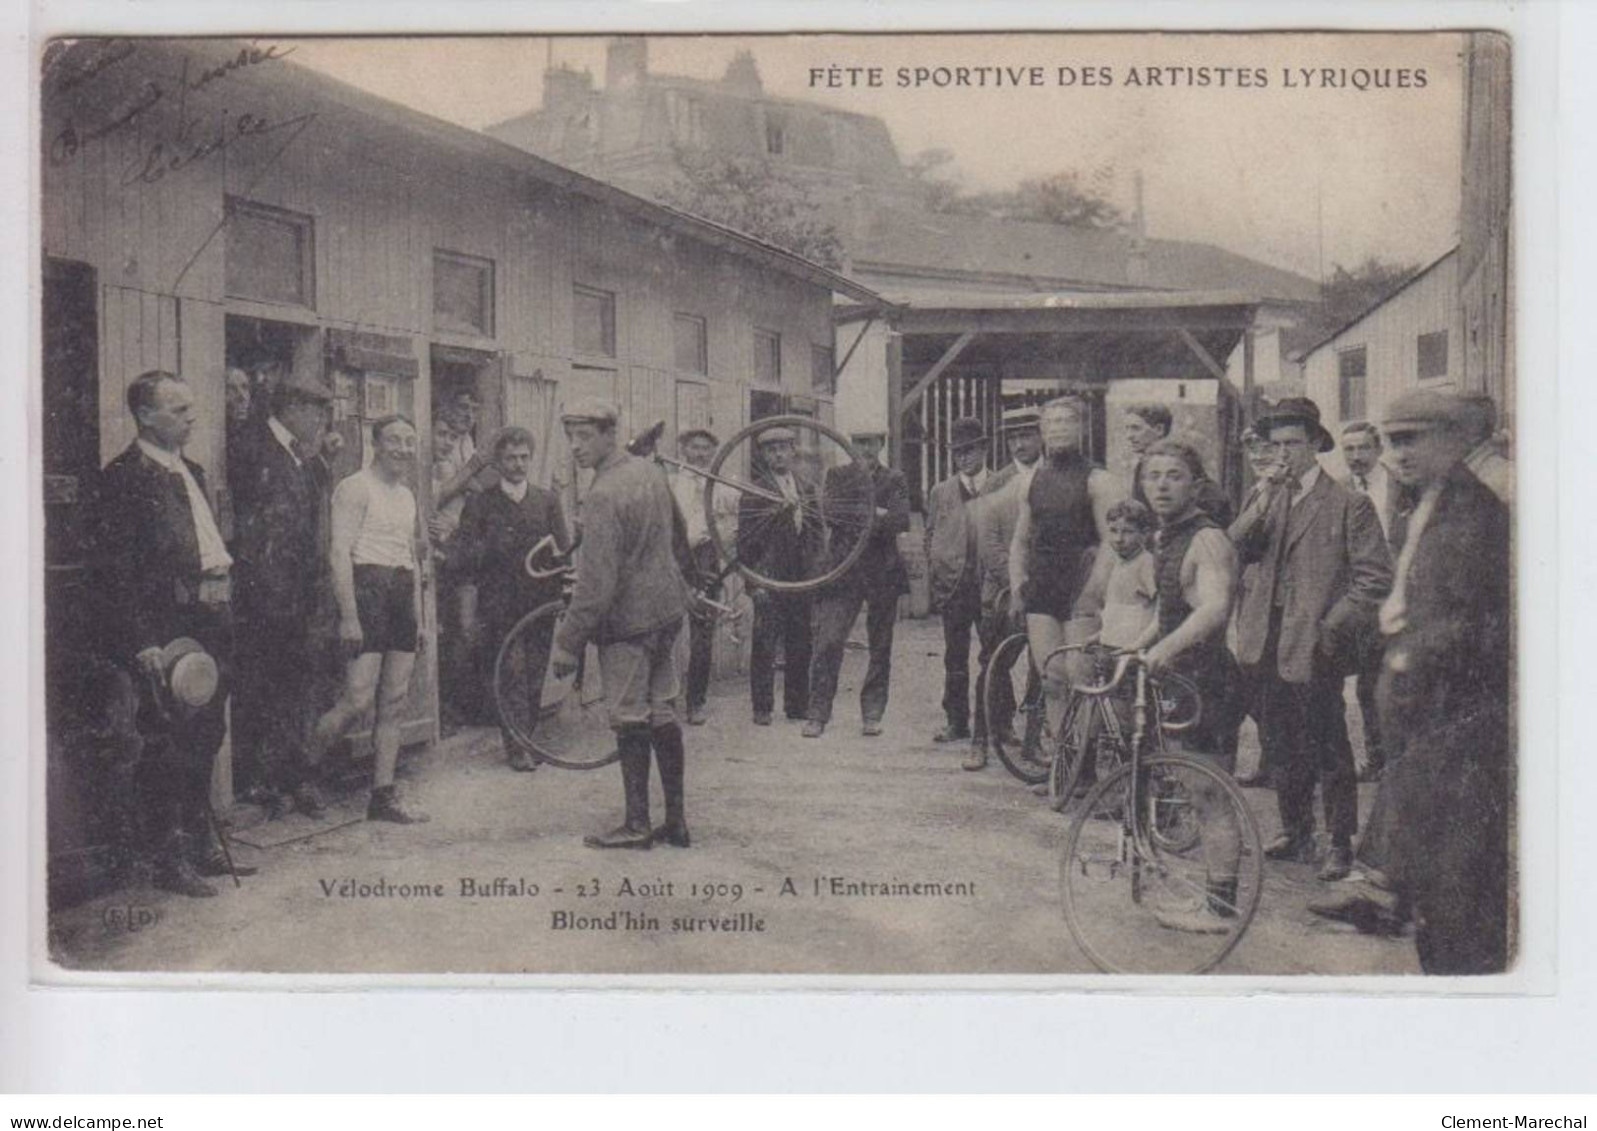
(629, 600)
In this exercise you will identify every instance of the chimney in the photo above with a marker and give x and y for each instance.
(626, 62)
(565, 90)
(1137, 257)
(743, 75)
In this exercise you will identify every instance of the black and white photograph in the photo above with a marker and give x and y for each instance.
(1023, 506)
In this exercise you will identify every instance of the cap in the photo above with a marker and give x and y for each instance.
(1019, 419)
(777, 435)
(590, 410)
(305, 387)
(191, 673)
(1420, 410)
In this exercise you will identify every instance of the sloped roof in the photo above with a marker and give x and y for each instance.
(1053, 255)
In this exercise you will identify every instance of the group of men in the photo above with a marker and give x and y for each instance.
(1396, 576)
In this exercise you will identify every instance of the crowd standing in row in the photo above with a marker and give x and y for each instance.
(1397, 576)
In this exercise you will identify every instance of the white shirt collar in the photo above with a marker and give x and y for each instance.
(1307, 480)
(172, 461)
(973, 483)
(516, 491)
(284, 436)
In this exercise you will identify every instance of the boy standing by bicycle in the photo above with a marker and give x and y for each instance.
(629, 599)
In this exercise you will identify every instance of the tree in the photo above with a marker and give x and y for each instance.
(1346, 295)
(757, 199)
(1059, 198)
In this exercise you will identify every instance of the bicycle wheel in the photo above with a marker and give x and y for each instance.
(835, 505)
(567, 727)
(1088, 751)
(1017, 723)
(1141, 901)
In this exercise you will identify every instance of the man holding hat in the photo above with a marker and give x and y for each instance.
(281, 483)
(875, 580)
(954, 570)
(165, 580)
(696, 447)
(779, 546)
(1442, 810)
(629, 599)
(1323, 569)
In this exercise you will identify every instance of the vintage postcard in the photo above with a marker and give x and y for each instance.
(1012, 506)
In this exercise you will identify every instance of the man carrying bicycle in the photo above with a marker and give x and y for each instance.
(630, 600)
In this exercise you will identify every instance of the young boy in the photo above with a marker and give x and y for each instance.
(1119, 597)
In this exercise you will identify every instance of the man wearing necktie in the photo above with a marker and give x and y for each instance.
(778, 541)
(281, 483)
(1323, 569)
(955, 577)
(164, 574)
(1366, 474)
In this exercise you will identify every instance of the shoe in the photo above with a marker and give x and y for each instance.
(951, 733)
(762, 718)
(1194, 922)
(676, 835)
(813, 728)
(176, 874)
(696, 716)
(216, 865)
(385, 806)
(1370, 774)
(308, 800)
(623, 836)
(1256, 780)
(976, 759)
(1338, 863)
(1041, 789)
(1294, 849)
(1006, 738)
(271, 802)
(871, 728)
(520, 761)
(1368, 909)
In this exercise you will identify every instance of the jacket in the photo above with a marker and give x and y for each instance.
(996, 513)
(280, 527)
(951, 550)
(629, 582)
(489, 550)
(845, 488)
(771, 546)
(144, 553)
(1331, 565)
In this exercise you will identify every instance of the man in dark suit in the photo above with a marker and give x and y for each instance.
(1442, 811)
(488, 554)
(281, 483)
(1323, 568)
(875, 580)
(1366, 474)
(164, 575)
(779, 542)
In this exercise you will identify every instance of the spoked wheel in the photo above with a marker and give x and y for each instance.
(1017, 721)
(1167, 887)
(1087, 752)
(835, 505)
(559, 721)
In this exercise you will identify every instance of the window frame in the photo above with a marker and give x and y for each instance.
(490, 284)
(1419, 354)
(774, 337)
(828, 387)
(610, 350)
(304, 222)
(679, 319)
(1345, 409)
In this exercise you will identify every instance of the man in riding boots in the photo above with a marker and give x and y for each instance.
(629, 599)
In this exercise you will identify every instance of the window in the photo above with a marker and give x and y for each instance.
(692, 345)
(269, 255)
(1432, 360)
(821, 376)
(768, 357)
(593, 322)
(1350, 367)
(463, 293)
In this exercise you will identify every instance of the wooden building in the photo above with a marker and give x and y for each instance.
(208, 203)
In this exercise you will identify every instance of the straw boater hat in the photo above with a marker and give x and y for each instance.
(1295, 410)
(1020, 419)
(191, 673)
(966, 432)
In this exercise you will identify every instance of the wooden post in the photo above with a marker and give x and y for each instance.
(1249, 392)
(895, 400)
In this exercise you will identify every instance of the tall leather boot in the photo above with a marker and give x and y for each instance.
(175, 872)
(668, 752)
(635, 832)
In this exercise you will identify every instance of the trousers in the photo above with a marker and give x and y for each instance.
(272, 702)
(701, 631)
(835, 613)
(962, 613)
(784, 618)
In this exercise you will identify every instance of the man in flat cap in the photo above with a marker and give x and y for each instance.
(1442, 811)
(282, 483)
(1323, 569)
(780, 546)
(696, 447)
(875, 580)
(629, 599)
(954, 570)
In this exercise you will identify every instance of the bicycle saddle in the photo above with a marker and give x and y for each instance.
(644, 442)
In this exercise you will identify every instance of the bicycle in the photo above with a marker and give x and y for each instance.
(560, 729)
(1162, 866)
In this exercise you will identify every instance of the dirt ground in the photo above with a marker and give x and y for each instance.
(775, 819)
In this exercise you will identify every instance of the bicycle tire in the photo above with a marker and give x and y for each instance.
(1028, 754)
(1124, 933)
(523, 731)
(729, 550)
